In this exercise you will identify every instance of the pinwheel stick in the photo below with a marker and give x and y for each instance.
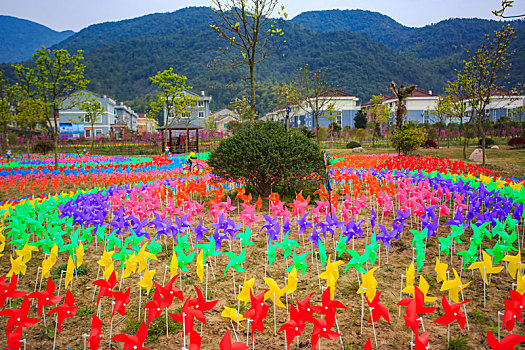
(60, 281)
(373, 325)
(274, 317)
(464, 307)
(111, 323)
(55, 336)
(85, 336)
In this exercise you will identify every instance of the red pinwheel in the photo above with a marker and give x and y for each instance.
(328, 307)
(368, 344)
(377, 310)
(154, 307)
(411, 317)
(420, 302)
(226, 343)
(305, 308)
(200, 302)
(507, 343)
(452, 313)
(121, 300)
(258, 311)
(133, 342)
(14, 339)
(322, 328)
(168, 292)
(96, 333)
(294, 327)
(18, 317)
(187, 316)
(45, 297)
(421, 342)
(106, 287)
(195, 340)
(519, 303)
(8, 290)
(509, 317)
(65, 310)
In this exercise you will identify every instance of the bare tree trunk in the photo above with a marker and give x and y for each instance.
(252, 89)
(56, 132)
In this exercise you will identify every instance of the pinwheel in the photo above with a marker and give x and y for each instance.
(299, 262)
(293, 327)
(106, 287)
(287, 245)
(419, 299)
(66, 310)
(452, 313)
(331, 275)
(147, 280)
(95, 336)
(45, 297)
(106, 262)
(514, 263)
(274, 292)
(8, 290)
(233, 315)
(441, 270)
(133, 342)
(507, 343)
(421, 341)
(18, 317)
(200, 302)
(322, 328)
(121, 300)
(454, 286)
(14, 339)
(187, 316)
(70, 270)
(292, 281)
(518, 300)
(18, 266)
(236, 261)
(245, 237)
(226, 343)
(377, 309)
(257, 312)
(368, 284)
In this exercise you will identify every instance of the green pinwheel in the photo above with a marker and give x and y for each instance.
(341, 245)
(457, 232)
(298, 262)
(184, 259)
(357, 261)
(497, 252)
(444, 244)
(469, 255)
(87, 234)
(287, 245)
(322, 253)
(183, 242)
(209, 248)
(133, 242)
(371, 249)
(235, 261)
(245, 237)
(272, 254)
(154, 247)
(113, 241)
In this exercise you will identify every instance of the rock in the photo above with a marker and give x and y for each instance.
(477, 155)
(494, 147)
(358, 150)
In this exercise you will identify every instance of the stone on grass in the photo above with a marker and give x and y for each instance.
(494, 147)
(477, 155)
(358, 150)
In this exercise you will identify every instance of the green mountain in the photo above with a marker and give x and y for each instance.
(362, 51)
(19, 38)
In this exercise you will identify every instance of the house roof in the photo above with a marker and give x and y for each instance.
(383, 99)
(181, 126)
(422, 93)
(324, 93)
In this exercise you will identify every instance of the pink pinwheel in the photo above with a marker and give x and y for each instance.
(508, 343)
(95, 336)
(133, 342)
(226, 343)
(106, 287)
(8, 290)
(18, 317)
(443, 209)
(227, 206)
(452, 313)
(45, 297)
(248, 215)
(294, 327)
(66, 310)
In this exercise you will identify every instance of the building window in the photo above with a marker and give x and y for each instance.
(88, 133)
(201, 114)
(340, 118)
(201, 104)
(98, 132)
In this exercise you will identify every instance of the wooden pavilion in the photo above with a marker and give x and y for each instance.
(179, 134)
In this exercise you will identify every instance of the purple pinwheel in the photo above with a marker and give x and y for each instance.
(232, 228)
(199, 230)
(269, 223)
(286, 226)
(159, 224)
(221, 224)
(458, 220)
(373, 217)
(518, 211)
(137, 226)
(385, 236)
(303, 223)
(182, 223)
(315, 237)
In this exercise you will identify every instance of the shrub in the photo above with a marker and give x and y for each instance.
(43, 147)
(353, 144)
(517, 142)
(265, 155)
(488, 142)
(303, 129)
(430, 144)
(407, 138)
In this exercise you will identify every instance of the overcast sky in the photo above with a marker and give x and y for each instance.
(76, 14)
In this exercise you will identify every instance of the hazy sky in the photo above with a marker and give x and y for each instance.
(76, 14)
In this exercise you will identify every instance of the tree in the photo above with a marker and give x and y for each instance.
(505, 4)
(331, 114)
(7, 104)
(58, 76)
(439, 116)
(30, 114)
(360, 120)
(171, 86)
(93, 110)
(265, 155)
(242, 108)
(401, 94)
(250, 33)
(378, 115)
(407, 138)
(311, 92)
(482, 71)
(454, 102)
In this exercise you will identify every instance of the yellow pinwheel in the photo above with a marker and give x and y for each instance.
(233, 315)
(368, 284)
(48, 263)
(2, 243)
(107, 264)
(174, 265)
(520, 283)
(18, 266)
(200, 265)
(247, 286)
(409, 280)
(331, 275)
(25, 252)
(454, 286)
(274, 292)
(147, 281)
(70, 270)
(80, 254)
(130, 266)
(485, 267)
(514, 263)
(292, 281)
(424, 287)
(441, 270)
(143, 257)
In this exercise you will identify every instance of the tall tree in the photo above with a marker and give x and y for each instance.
(93, 111)
(57, 77)
(401, 94)
(378, 115)
(7, 104)
(30, 118)
(311, 92)
(360, 120)
(331, 114)
(483, 71)
(250, 33)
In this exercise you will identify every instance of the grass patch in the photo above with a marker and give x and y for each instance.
(86, 310)
(81, 271)
(155, 329)
(459, 343)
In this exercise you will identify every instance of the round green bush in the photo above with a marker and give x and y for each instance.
(488, 142)
(265, 155)
(407, 138)
(353, 144)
